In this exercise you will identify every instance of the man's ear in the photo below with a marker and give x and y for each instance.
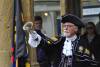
(76, 28)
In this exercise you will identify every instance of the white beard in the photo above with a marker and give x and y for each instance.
(67, 34)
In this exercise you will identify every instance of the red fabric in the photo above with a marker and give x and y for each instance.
(12, 49)
(12, 59)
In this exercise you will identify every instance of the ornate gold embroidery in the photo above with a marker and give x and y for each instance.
(49, 42)
(81, 49)
(87, 51)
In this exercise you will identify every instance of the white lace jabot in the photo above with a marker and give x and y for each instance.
(67, 48)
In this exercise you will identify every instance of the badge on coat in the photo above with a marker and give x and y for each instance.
(81, 49)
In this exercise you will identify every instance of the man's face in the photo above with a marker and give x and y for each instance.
(69, 29)
(38, 25)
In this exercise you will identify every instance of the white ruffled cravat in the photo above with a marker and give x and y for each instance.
(67, 48)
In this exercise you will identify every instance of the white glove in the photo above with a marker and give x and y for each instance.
(34, 39)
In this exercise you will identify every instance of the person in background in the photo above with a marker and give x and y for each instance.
(93, 40)
(43, 58)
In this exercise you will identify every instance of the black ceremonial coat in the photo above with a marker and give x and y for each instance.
(80, 52)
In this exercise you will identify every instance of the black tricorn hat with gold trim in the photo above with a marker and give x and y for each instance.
(72, 19)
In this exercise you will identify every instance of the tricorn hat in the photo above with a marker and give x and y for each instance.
(72, 19)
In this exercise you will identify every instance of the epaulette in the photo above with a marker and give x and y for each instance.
(54, 38)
